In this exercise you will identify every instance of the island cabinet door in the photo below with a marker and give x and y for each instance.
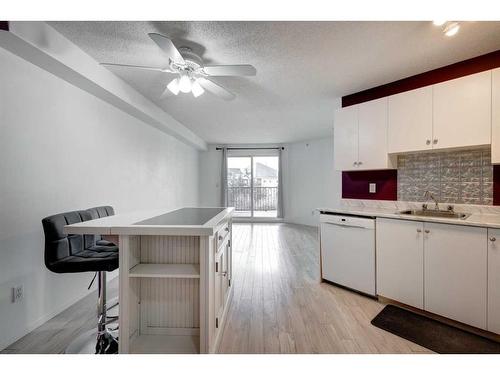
(218, 285)
(400, 261)
(494, 280)
(456, 272)
(226, 273)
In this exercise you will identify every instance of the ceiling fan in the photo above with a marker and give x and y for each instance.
(192, 74)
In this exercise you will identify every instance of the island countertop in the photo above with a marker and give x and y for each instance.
(186, 221)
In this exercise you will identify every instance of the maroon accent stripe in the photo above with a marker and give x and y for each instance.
(355, 184)
(4, 25)
(496, 185)
(457, 70)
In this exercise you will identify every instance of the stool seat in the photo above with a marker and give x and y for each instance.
(88, 260)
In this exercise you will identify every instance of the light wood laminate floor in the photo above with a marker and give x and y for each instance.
(279, 305)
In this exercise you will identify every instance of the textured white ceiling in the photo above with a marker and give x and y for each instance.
(302, 67)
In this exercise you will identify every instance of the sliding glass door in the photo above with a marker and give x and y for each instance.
(252, 185)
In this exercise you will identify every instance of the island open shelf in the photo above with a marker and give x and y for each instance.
(173, 271)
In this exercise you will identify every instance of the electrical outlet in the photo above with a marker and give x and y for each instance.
(17, 293)
(372, 187)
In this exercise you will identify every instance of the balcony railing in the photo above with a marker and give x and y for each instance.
(264, 198)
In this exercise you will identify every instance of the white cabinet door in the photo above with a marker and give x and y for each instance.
(219, 288)
(345, 138)
(455, 272)
(495, 116)
(494, 280)
(462, 111)
(226, 273)
(410, 121)
(372, 128)
(400, 261)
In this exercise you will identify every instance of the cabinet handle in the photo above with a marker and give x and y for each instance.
(226, 229)
(428, 142)
(359, 162)
(493, 239)
(355, 163)
(220, 238)
(427, 231)
(419, 230)
(435, 141)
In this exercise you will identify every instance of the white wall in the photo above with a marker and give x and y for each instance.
(210, 175)
(310, 180)
(62, 149)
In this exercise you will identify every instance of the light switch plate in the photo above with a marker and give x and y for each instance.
(372, 187)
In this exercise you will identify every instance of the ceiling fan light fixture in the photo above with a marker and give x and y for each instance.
(173, 86)
(452, 29)
(196, 89)
(185, 84)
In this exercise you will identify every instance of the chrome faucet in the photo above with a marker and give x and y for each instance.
(428, 195)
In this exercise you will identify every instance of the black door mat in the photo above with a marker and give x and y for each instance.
(432, 334)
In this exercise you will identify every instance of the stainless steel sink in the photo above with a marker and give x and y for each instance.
(436, 213)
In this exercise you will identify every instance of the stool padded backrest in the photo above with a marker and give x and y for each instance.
(59, 245)
(98, 212)
(102, 211)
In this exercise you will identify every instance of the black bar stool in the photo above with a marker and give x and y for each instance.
(80, 253)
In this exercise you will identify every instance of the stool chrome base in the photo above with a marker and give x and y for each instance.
(103, 339)
(88, 343)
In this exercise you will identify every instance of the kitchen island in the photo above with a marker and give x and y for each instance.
(175, 273)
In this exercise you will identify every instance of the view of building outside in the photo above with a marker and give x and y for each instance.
(263, 195)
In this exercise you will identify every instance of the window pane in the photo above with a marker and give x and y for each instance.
(265, 183)
(239, 174)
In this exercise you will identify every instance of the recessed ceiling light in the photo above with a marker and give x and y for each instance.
(438, 23)
(451, 29)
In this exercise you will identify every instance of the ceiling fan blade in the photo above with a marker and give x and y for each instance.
(215, 89)
(167, 46)
(138, 67)
(230, 70)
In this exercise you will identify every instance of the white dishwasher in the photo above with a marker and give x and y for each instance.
(348, 251)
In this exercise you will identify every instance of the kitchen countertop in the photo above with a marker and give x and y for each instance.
(187, 221)
(475, 219)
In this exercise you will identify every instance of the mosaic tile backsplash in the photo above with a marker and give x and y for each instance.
(451, 176)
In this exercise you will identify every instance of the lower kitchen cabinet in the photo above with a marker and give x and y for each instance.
(400, 261)
(455, 268)
(494, 280)
(449, 270)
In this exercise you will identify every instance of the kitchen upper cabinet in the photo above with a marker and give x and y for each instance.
(455, 272)
(372, 129)
(494, 280)
(495, 116)
(360, 136)
(409, 124)
(345, 138)
(400, 261)
(462, 112)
